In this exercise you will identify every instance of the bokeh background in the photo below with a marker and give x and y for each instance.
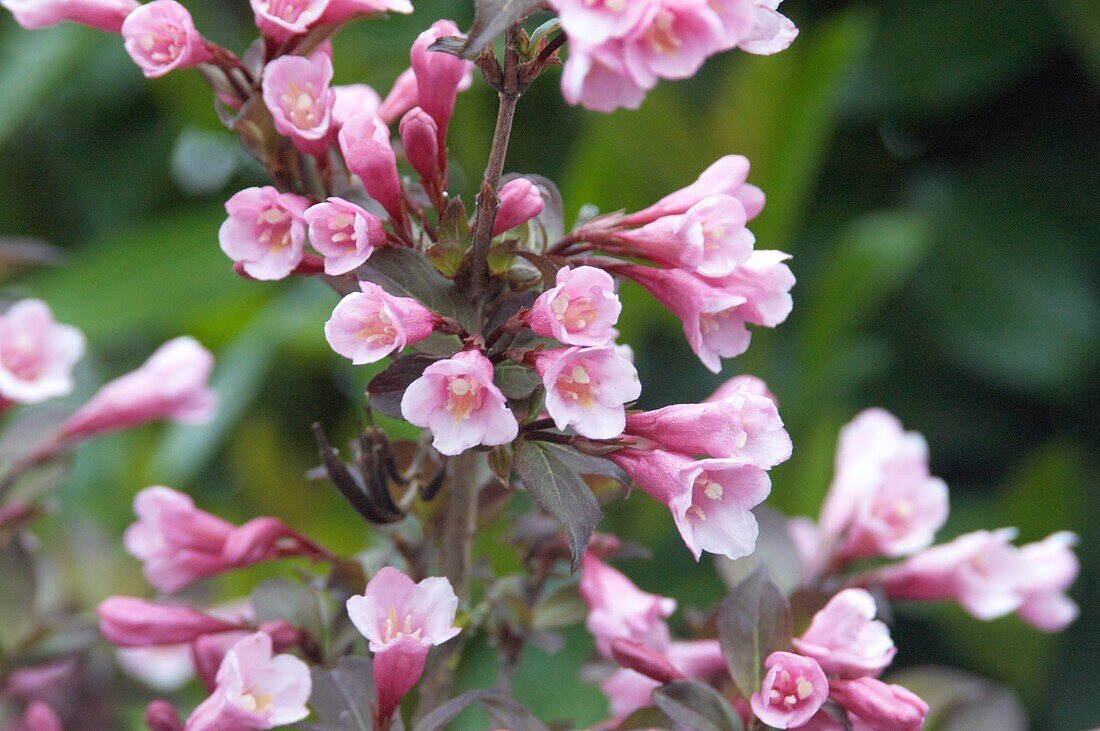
(933, 166)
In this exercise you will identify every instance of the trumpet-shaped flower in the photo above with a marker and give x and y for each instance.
(297, 92)
(618, 609)
(367, 326)
(726, 176)
(581, 309)
(105, 15)
(281, 20)
(265, 231)
(793, 690)
(161, 37)
(37, 354)
(846, 639)
(587, 388)
(344, 233)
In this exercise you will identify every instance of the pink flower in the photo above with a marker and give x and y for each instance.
(265, 231)
(618, 609)
(595, 76)
(794, 689)
(726, 176)
(593, 21)
(438, 77)
(1048, 569)
(581, 309)
(131, 622)
(340, 11)
(765, 282)
(402, 97)
(281, 20)
(106, 15)
(365, 143)
(664, 241)
(369, 325)
(162, 716)
(628, 690)
(296, 92)
(351, 100)
(738, 19)
(672, 41)
(877, 705)
(161, 667)
(37, 354)
(161, 37)
(171, 385)
(39, 717)
(402, 620)
(846, 639)
(345, 233)
(420, 137)
(743, 385)
(520, 201)
(643, 660)
(457, 399)
(587, 388)
(256, 689)
(771, 31)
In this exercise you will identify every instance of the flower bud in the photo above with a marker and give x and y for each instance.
(132, 622)
(520, 201)
(365, 143)
(162, 716)
(880, 705)
(105, 15)
(40, 717)
(438, 77)
(420, 137)
(641, 659)
(161, 37)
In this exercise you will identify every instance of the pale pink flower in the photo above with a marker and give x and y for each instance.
(618, 609)
(1048, 568)
(438, 77)
(738, 19)
(131, 622)
(171, 385)
(369, 325)
(520, 201)
(672, 41)
(793, 690)
(771, 31)
(340, 11)
(873, 704)
(161, 667)
(420, 138)
(726, 176)
(402, 620)
(265, 231)
(765, 282)
(743, 385)
(351, 100)
(105, 15)
(593, 21)
(588, 389)
(402, 97)
(457, 399)
(846, 639)
(365, 143)
(281, 20)
(37, 354)
(720, 223)
(344, 233)
(256, 689)
(161, 37)
(595, 76)
(297, 92)
(580, 309)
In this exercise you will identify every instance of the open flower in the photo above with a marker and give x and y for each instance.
(726, 176)
(365, 142)
(37, 354)
(771, 31)
(344, 233)
(367, 326)
(593, 21)
(846, 639)
(265, 231)
(793, 690)
(587, 388)
(296, 92)
(161, 37)
(105, 15)
(581, 309)
(281, 20)
(618, 609)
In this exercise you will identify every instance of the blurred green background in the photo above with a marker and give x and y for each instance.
(934, 167)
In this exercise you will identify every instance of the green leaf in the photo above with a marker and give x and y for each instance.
(753, 621)
(504, 710)
(697, 706)
(17, 594)
(775, 551)
(491, 19)
(558, 489)
(404, 272)
(515, 381)
(293, 601)
(960, 701)
(645, 719)
(342, 696)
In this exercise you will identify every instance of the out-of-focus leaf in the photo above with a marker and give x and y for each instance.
(515, 381)
(505, 711)
(559, 490)
(775, 551)
(406, 273)
(753, 621)
(386, 389)
(293, 601)
(959, 701)
(491, 19)
(697, 706)
(1081, 22)
(645, 719)
(17, 593)
(559, 608)
(342, 696)
(19, 253)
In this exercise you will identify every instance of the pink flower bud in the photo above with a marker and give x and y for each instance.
(794, 689)
(726, 176)
(846, 639)
(367, 326)
(420, 137)
(402, 620)
(587, 389)
(132, 622)
(365, 143)
(581, 309)
(618, 609)
(161, 37)
(171, 385)
(341, 11)
(39, 717)
(743, 385)
(351, 100)
(162, 716)
(402, 97)
(771, 31)
(457, 399)
(594, 21)
(438, 77)
(208, 651)
(641, 659)
(105, 15)
(296, 92)
(281, 20)
(37, 354)
(265, 231)
(255, 689)
(520, 201)
(879, 705)
(345, 233)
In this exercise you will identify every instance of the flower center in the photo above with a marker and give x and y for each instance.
(577, 385)
(300, 105)
(397, 628)
(463, 395)
(574, 314)
(710, 488)
(379, 329)
(163, 44)
(342, 230)
(274, 223)
(662, 35)
(288, 10)
(615, 6)
(254, 702)
(789, 691)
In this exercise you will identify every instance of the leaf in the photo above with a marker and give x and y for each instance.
(491, 19)
(753, 621)
(404, 272)
(559, 608)
(504, 710)
(961, 701)
(775, 551)
(588, 464)
(386, 389)
(515, 381)
(17, 594)
(342, 696)
(645, 719)
(293, 601)
(557, 488)
(697, 706)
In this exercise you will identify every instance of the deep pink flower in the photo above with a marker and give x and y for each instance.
(580, 309)
(617, 608)
(297, 92)
(106, 15)
(438, 77)
(161, 37)
(457, 399)
(365, 143)
(794, 689)
(162, 716)
(593, 21)
(171, 385)
(588, 388)
(420, 138)
(340, 11)
(132, 622)
(256, 689)
(402, 620)
(878, 705)
(345, 233)
(39, 717)
(37, 354)
(726, 176)
(351, 100)
(281, 20)
(369, 325)
(265, 231)
(771, 31)
(628, 690)
(846, 639)
(520, 201)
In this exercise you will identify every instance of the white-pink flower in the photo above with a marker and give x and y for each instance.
(37, 354)
(367, 326)
(846, 639)
(595, 76)
(771, 31)
(351, 100)
(593, 21)
(617, 608)
(672, 41)
(105, 15)
(457, 399)
(161, 37)
(720, 223)
(256, 689)
(580, 309)
(265, 231)
(281, 20)
(725, 176)
(344, 233)
(794, 689)
(297, 93)
(588, 389)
